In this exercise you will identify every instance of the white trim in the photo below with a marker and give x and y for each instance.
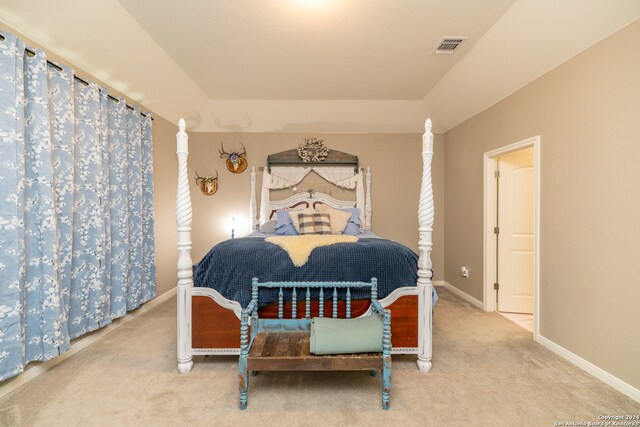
(253, 207)
(215, 351)
(488, 261)
(404, 350)
(34, 369)
(236, 351)
(398, 293)
(489, 304)
(393, 297)
(426, 211)
(465, 296)
(367, 201)
(184, 217)
(599, 373)
(218, 298)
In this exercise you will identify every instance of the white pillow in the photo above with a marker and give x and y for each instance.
(337, 218)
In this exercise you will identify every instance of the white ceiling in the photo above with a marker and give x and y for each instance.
(530, 39)
(313, 49)
(316, 65)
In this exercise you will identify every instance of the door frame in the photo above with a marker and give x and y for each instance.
(489, 200)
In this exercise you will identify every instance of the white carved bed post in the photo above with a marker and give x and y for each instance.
(252, 199)
(367, 201)
(185, 273)
(425, 221)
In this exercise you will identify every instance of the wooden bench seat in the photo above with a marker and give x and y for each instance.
(284, 344)
(289, 351)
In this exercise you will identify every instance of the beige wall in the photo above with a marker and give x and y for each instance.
(586, 112)
(396, 167)
(165, 172)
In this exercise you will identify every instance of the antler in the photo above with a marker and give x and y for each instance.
(222, 152)
(206, 178)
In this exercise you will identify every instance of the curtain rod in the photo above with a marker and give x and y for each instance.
(83, 81)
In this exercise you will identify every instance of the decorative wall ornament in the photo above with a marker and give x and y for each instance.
(236, 162)
(312, 150)
(208, 184)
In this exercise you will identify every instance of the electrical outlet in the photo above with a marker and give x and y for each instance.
(464, 272)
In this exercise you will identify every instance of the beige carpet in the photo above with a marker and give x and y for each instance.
(487, 371)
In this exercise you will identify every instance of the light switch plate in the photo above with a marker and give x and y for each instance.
(464, 272)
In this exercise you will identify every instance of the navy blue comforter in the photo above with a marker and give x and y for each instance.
(230, 266)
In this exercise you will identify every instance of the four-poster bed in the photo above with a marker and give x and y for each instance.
(209, 323)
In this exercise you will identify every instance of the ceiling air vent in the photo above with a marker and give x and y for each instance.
(448, 45)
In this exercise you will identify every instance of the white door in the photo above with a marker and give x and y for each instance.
(515, 237)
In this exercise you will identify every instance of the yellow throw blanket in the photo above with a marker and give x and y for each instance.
(300, 247)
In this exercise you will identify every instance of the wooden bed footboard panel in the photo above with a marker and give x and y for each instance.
(218, 327)
(213, 326)
(404, 321)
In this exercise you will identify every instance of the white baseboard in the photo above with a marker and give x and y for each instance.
(36, 368)
(592, 369)
(465, 296)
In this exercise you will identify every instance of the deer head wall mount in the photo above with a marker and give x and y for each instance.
(236, 161)
(208, 184)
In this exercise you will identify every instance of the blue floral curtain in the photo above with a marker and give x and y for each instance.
(76, 207)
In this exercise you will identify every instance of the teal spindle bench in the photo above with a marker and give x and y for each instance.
(284, 344)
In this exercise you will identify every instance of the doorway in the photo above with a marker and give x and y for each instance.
(511, 243)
